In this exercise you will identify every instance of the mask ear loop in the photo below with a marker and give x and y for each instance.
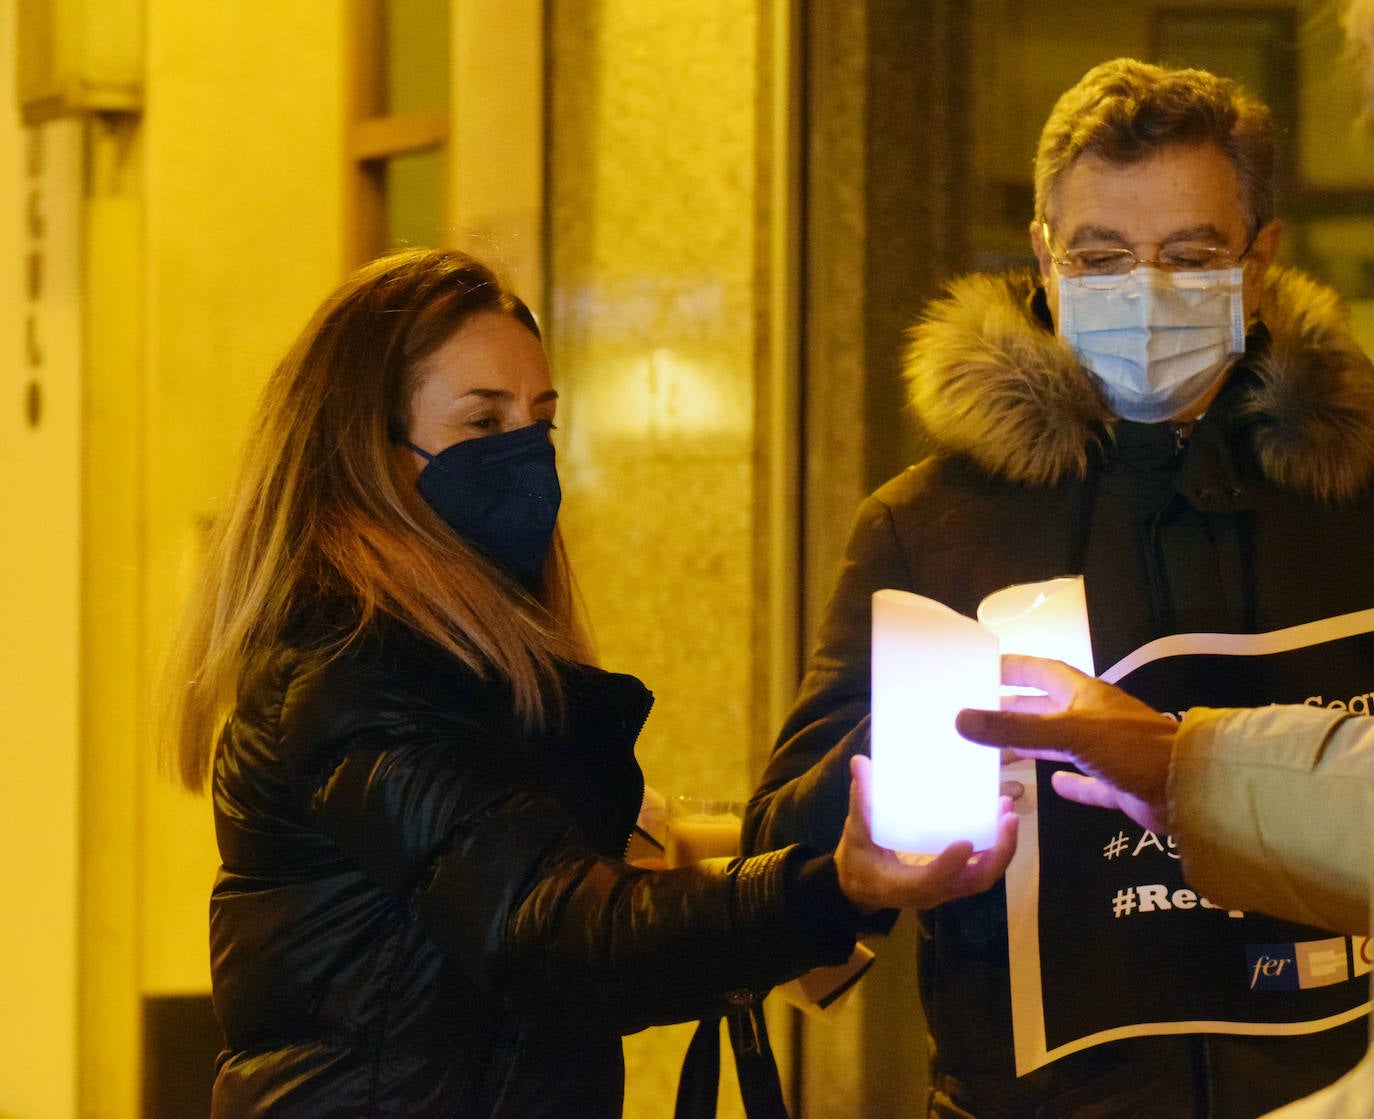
(1243, 263)
(1240, 322)
(419, 451)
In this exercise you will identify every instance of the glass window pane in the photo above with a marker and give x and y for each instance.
(417, 55)
(414, 200)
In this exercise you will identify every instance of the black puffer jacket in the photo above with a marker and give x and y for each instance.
(1258, 518)
(422, 912)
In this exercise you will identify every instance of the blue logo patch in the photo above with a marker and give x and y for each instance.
(1271, 967)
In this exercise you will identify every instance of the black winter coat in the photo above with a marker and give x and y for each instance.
(1258, 518)
(423, 912)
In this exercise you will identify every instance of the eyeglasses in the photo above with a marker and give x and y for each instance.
(1178, 256)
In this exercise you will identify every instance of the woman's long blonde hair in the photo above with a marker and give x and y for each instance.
(323, 517)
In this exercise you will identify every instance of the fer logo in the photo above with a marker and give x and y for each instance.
(1290, 967)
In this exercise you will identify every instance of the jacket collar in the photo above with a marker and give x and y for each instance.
(988, 378)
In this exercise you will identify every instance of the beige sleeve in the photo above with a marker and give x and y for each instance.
(1273, 810)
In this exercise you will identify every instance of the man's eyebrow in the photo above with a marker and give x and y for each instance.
(1204, 231)
(1096, 233)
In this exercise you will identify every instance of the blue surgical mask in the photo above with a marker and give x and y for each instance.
(499, 492)
(1155, 341)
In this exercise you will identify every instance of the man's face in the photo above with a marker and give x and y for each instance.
(1179, 194)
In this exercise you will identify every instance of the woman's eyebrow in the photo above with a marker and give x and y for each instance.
(506, 394)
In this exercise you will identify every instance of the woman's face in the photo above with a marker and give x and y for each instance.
(490, 376)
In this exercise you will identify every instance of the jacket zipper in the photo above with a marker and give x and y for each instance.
(637, 731)
(1181, 433)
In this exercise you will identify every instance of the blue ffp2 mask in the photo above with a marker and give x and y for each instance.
(499, 492)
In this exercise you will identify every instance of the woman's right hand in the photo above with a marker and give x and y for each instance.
(873, 877)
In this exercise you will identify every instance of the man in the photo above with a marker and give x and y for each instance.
(1272, 809)
(1191, 428)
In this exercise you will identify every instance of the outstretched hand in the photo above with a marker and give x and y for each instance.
(1122, 745)
(875, 878)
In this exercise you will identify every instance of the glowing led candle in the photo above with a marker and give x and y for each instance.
(930, 787)
(1048, 619)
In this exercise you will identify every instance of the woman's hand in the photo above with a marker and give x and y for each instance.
(1122, 745)
(875, 878)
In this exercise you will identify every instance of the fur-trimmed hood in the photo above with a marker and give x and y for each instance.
(986, 379)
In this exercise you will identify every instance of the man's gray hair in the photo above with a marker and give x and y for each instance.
(1125, 110)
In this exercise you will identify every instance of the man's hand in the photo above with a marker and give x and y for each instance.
(1121, 744)
(875, 878)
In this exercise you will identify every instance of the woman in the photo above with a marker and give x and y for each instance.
(422, 789)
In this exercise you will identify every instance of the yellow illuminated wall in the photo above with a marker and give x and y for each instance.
(40, 403)
(242, 204)
(197, 235)
(652, 332)
(655, 296)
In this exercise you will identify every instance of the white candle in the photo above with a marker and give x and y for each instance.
(1048, 619)
(930, 786)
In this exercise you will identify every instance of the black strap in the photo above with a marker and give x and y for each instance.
(698, 1086)
(758, 1071)
(760, 1088)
